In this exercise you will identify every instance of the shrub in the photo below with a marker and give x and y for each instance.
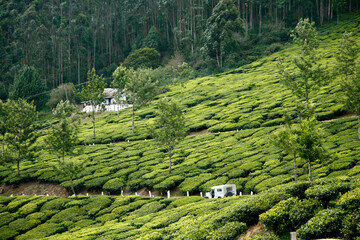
(169, 183)
(148, 208)
(302, 211)
(42, 231)
(27, 209)
(144, 57)
(277, 218)
(350, 201)
(7, 233)
(265, 236)
(229, 231)
(185, 200)
(23, 225)
(72, 214)
(56, 204)
(6, 218)
(327, 192)
(351, 225)
(326, 223)
(114, 185)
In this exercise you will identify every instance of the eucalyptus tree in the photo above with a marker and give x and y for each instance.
(169, 127)
(218, 37)
(93, 93)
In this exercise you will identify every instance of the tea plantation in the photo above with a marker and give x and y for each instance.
(239, 110)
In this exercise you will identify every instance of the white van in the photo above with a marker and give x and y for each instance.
(221, 191)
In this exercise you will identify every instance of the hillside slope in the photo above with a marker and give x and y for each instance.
(239, 109)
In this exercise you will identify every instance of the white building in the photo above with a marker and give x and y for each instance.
(110, 103)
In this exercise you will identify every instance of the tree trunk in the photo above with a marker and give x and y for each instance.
(169, 151)
(295, 169)
(72, 187)
(18, 165)
(93, 120)
(3, 146)
(309, 172)
(133, 124)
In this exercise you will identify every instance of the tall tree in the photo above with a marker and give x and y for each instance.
(140, 89)
(22, 124)
(93, 93)
(169, 127)
(310, 75)
(63, 139)
(221, 26)
(27, 84)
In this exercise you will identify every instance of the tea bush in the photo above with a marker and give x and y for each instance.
(326, 223)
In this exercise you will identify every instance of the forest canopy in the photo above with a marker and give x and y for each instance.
(63, 40)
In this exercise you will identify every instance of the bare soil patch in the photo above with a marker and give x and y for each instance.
(252, 231)
(34, 188)
(199, 133)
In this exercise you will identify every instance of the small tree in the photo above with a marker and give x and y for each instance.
(63, 139)
(120, 78)
(310, 142)
(140, 89)
(349, 70)
(93, 93)
(70, 169)
(286, 140)
(310, 75)
(169, 127)
(21, 125)
(182, 72)
(63, 136)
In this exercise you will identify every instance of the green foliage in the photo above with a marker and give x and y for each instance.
(143, 58)
(62, 93)
(115, 184)
(327, 192)
(7, 233)
(277, 218)
(310, 76)
(152, 40)
(22, 126)
(169, 127)
(43, 230)
(27, 85)
(218, 36)
(93, 93)
(326, 223)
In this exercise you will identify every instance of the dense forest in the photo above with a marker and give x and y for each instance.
(62, 40)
